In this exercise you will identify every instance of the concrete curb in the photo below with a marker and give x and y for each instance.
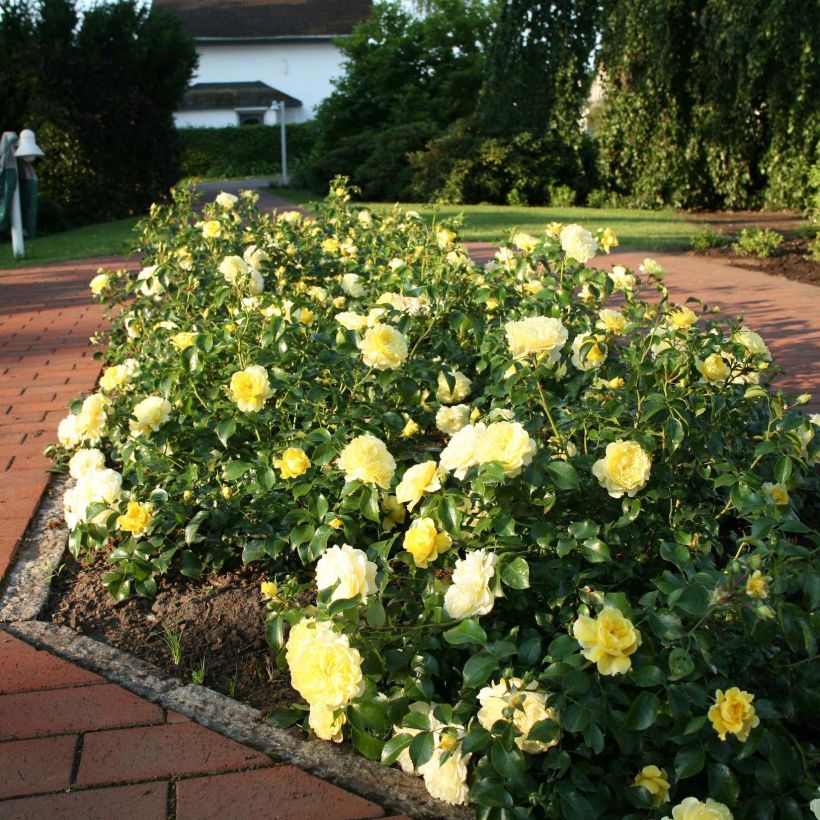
(23, 599)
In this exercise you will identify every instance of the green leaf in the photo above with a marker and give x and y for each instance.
(545, 731)
(680, 664)
(236, 469)
(689, 761)
(253, 551)
(674, 434)
(564, 475)
(723, 785)
(375, 614)
(370, 746)
(466, 632)
(479, 668)
(509, 763)
(783, 469)
(224, 430)
(643, 712)
(394, 747)
(275, 632)
(477, 738)
(450, 514)
(694, 600)
(284, 717)
(421, 748)
(344, 604)
(595, 551)
(516, 573)
(369, 504)
(189, 564)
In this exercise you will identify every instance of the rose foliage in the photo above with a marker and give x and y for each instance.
(532, 531)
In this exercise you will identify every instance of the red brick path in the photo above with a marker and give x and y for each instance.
(73, 745)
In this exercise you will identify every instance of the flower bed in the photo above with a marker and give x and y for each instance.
(531, 532)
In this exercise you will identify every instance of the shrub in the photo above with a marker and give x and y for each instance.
(709, 237)
(241, 151)
(534, 532)
(759, 242)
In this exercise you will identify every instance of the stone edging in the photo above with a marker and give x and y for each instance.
(23, 598)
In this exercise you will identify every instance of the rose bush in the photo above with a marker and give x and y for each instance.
(557, 535)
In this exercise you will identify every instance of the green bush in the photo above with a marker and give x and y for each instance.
(465, 168)
(759, 242)
(709, 237)
(536, 533)
(240, 151)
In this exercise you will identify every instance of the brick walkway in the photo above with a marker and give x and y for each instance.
(74, 745)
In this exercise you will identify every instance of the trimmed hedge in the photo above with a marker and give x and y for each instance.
(240, 151)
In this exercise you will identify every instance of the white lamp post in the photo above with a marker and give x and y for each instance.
(283, 142)
(27, 150)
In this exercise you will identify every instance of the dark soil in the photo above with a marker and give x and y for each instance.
(791, 260)
(220, 620)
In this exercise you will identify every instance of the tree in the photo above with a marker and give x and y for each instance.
(537, 74)
(711, 103)
(406, 78)
(100, 91)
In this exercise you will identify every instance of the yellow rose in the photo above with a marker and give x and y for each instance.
(447, 780)
(324, 725)
(777, 494)
(394, 512)
(383, 347)
(525, 242)
(305, 316)
(621, 278)
(211, 229)
(99, 283)
(733, 713)
(268, 589)
(424, 542)
(692, 809)
(536, 336)
(654, 781)
(452, 419)
(226, 200)
(137, 518)
(418, 480)
(491, 304)
(577, 243)
(589, 351)
(324, 669)
(613, 384)
(90, 421)
(508, 443)
(529, 707)
(410, 429)
(114, 377)
(554, 229)
(330, 244)
(460, 390)
(608, 240)
(713, 368)
(366, 459)
(624, 469)
(183, 340)
(753, 342)
(470, 596)
(682, 318)
(250, 388)
(444, 237)
(347, 571)
(757, 586)
(294, 462)
(607, 640)
(612, 321)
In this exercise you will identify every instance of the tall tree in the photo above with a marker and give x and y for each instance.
(538, 68)
(710, 102)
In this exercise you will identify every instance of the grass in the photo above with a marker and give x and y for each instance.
(104, 239)
(639, 229)
(642, 230)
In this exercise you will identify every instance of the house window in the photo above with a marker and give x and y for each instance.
(251, 117)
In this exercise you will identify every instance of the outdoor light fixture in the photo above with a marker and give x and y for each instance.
(27, 148)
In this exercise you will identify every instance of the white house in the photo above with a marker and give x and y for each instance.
(254, 54)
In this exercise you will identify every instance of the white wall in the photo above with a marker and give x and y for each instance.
(303, 70)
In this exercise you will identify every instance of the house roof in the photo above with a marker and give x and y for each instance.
(234, 95)
(267, 19)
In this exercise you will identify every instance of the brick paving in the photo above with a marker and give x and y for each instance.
(74, 745)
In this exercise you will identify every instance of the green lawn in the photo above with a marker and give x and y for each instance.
(104, 239)
(643, 230)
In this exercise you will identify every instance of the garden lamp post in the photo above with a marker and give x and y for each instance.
(17, 169)
(283, 142)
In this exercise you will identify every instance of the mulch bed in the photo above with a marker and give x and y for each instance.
(791, 260)
(220, 619)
